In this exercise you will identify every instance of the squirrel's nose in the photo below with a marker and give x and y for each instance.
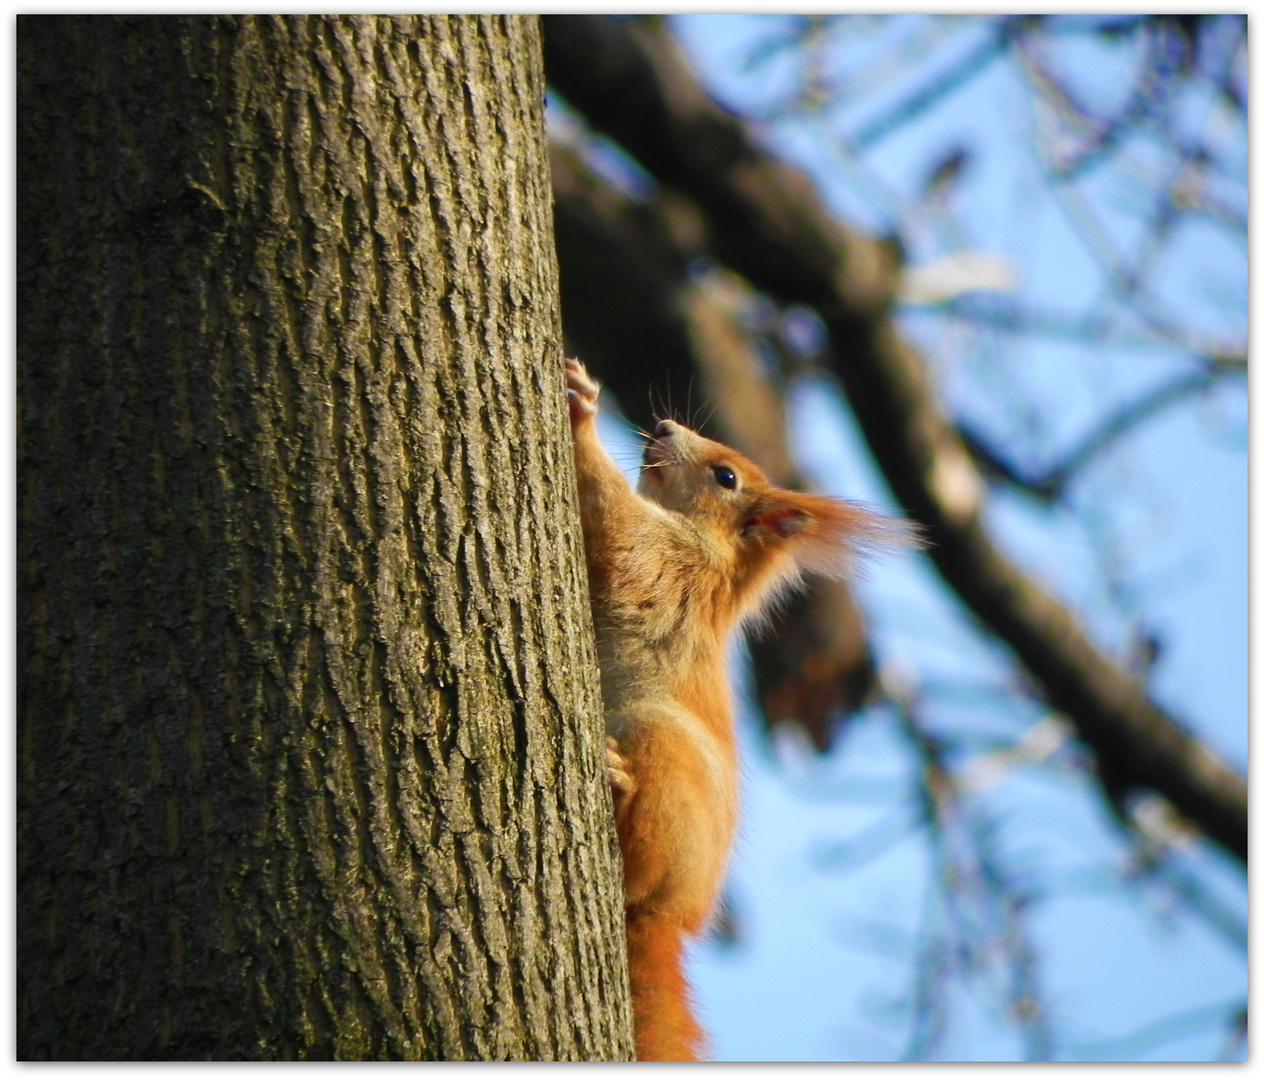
(664, 429)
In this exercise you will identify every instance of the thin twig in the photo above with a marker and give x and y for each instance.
(930, 93)
(1050, 484)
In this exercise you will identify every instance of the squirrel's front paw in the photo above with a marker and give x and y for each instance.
(581, 391)
(618, 776)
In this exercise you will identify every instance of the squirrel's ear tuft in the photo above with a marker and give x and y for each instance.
(775, 519)
(824, 534)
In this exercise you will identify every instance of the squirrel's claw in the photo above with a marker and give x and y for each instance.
(581, 391)
(622, 785)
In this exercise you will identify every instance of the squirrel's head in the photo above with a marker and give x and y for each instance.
(770, 530)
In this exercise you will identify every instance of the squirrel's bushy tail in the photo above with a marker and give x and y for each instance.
(665, 1027)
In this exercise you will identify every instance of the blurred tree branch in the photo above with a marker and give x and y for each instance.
(765, 221)
(976, 890)
(926, 96)
(1001, 313)
(1170, 44)
(1050, 484)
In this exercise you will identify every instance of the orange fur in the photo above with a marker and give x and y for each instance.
(704, 543)
(665, 1027)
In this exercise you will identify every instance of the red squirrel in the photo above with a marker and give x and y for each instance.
(703, 545)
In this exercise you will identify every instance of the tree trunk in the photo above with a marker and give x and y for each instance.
(310, 753)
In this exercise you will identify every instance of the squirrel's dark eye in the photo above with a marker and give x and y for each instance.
(724, 476)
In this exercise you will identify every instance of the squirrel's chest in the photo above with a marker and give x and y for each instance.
(640, 660)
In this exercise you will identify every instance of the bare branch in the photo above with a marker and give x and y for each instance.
(620, 267)
(1101, 136)
(1050, 485)
(1201, 901)
(1121, 276)
(1135, 1043)
(970, 872)
(926, 96)
(1145, 105)
(1002, 314)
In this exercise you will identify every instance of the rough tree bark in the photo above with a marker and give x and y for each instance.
(310, 754)
(765, 221)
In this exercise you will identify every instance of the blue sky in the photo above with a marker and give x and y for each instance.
(823, 956)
